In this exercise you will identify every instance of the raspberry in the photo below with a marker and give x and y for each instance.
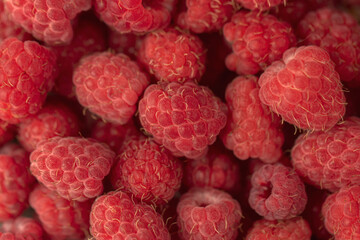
(115, 215)
(257, 40)
(48, 21)
(62, 219)
(304, 89)
(341, 213)
(109, 85)
(277, 192)
(292, 229)
(183, 118)
(23, 228)
(7, 132)
(139, 16)
(127, 43)
(173, 56)
(261, 5)
(206, 15)
(15, 181)
(207, 213)
(251, 130)
(73, 167)
(338, 33)
(27, 72)
(54, 119)
(329, 160)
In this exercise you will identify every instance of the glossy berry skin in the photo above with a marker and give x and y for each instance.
(257, 40)
(184, 118)
(48, 21)
(341, 213)
(173, 56)
(291, 229)
(61, 219)
(74, 167)
(109, 85)
(27, 72)
(328, 160)
(277, 192)
(146, 170)
(115, 215)
(208, 213)
(16, 181)
(261, 5)
(23, 228)
(252, 130)
(304, 89)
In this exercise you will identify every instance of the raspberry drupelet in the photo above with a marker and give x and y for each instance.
(257, 40)
(184, 118)
(109, 85)
(304, 89)
(173, 56)
(115, 215)
(22, 228)
(74, 167)
(261, 5)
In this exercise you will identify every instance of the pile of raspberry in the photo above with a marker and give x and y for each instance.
(180, 120)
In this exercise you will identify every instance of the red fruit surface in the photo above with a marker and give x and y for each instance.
(115, 215)
(304, 89)
(251, 130)
(7, 132)
(277, 192)
(173, 56)
(127, 43)
(109, 85)
(257, 40)
(61, 219)
(261, 5)
(184, 118)
(208, 213)
(23, 228)
(74, 167)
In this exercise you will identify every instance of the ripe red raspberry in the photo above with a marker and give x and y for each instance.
(139, 16)
(183, 118)
(257, 40)
(329, 160)
(23, 228)
(27, 72)
(54, 119)
(304, 89)
(48, 21)
(127, 43)
(261, 5)
(338, 33)
(341, 213)
(252, 130)
(208, 213)
(205, 15)
(173, 56)
(74, 167)
(7, 132)
(62, 219)
(291, 229)
(109, 85)
(115, 215)
(15, 180)
(277, 192)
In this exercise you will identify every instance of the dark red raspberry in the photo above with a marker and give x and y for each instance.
(257, 40)
(7, 132)
(139, 16)
(74, 167)
(48, 21)
(277, 192)
(261, 5)
(16, 181)
(173, 56)
(23, 228)
(341, 213)
(252, 130)
(304, 89)
(62, 219)
(329, 160)
(127, 43)
(338, 33)
(185, 119)
(115, 215)
(208, 213)
(54, 119)
(109, 85)
(27, 72)
(206, 15)
(291, 229)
